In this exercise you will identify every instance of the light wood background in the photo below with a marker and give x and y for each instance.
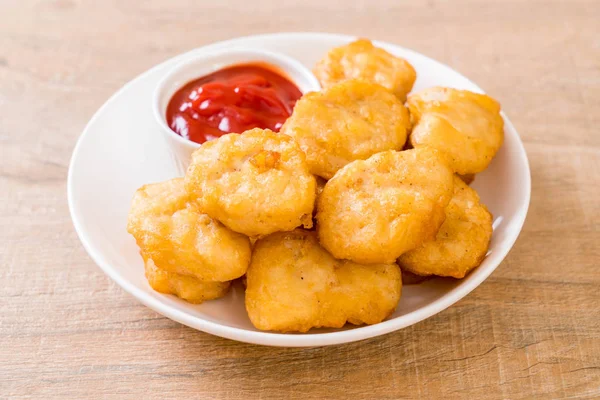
(530, 331)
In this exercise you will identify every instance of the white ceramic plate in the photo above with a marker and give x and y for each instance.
(121, 149)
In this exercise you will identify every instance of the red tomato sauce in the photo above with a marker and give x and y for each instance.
(232, 100)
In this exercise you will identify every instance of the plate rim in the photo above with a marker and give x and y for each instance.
(287, 339)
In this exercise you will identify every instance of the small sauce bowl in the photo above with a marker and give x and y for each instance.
(204, 64)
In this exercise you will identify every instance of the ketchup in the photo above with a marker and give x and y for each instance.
(232, 100)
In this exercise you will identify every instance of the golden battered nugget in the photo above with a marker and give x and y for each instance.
(349, 121)
(185, 287)
(467, 126)
(373, 211)
(180, 239)
(362, 60)
(295, 285)
(462, 241)
(255, 183)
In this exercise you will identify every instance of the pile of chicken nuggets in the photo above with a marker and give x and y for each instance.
(365, 181)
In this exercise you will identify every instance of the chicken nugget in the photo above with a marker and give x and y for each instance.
(171, 231)
(362, 60)
(185, 287)
(373, 211)
(295, 285)
(467, 126)
(255, 183)
(349, 121)
(462, 241)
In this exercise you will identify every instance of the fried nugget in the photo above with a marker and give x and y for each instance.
(179, 239)
(349, 121)
(295, 285)
(255, 183)
(361, 60)
(185, 287)
(467, 126)
(375, 210)
(462, 241)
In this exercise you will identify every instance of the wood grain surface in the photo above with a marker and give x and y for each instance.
(532, 330)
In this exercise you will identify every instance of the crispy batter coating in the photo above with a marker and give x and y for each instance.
(362, 60)
(375, 210)
(467, 126)
(180, 239)
(462, 241)
(255, 183)
(295, 285)
(185, 287)
(349, 121)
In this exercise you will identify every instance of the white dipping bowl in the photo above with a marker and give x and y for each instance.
(197, 66)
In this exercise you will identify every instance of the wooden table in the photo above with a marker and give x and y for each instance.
(532, 330)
